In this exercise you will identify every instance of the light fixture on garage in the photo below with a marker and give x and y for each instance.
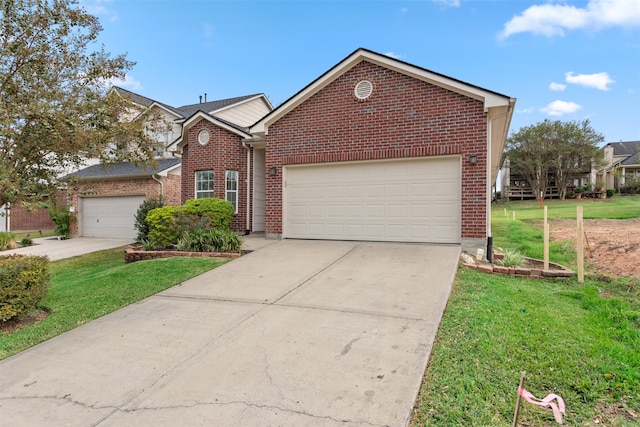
(473, 159)
(272, 171)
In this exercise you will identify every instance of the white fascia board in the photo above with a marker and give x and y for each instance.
(202, 115)
(162, 107)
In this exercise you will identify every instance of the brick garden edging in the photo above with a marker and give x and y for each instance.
(136, 253)
(554, 271)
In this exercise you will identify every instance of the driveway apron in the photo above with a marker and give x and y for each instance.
(297, 333)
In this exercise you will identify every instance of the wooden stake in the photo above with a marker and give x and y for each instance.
(514, 215)
(580, 244)
(546, 240)
(505, 211)
(517, 412)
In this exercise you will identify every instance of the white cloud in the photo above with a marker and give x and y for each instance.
(98, 8)
(558, 87)
(525, 110)
(393, 55)
(554, 19)
(559, 108)
(128, 82)
(599, 81)
(450, 3)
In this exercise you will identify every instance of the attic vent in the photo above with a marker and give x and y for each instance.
(363, 89)
(203, 137)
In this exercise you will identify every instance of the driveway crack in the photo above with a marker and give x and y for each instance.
(257, 406)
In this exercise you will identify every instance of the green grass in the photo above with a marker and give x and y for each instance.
(87, 287)
(581, 341)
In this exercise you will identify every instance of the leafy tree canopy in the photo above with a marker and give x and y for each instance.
(562, 150)
(55, 108)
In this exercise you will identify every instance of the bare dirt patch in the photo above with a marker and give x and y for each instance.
(31, 318)
(611, 246)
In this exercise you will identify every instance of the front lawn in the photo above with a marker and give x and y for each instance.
(89, 286)
(581, 341)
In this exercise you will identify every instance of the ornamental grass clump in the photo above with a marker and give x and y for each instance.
(512, 258)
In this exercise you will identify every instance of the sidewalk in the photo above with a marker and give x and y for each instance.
(60, 249)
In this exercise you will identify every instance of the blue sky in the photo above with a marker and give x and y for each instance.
(564, 60)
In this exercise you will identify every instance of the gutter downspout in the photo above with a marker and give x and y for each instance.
(490, 184)
(161, 184)
(248, 181)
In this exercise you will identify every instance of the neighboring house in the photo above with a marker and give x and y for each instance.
(516, 187)
(106, 198)
(622, 163)
(375, 149)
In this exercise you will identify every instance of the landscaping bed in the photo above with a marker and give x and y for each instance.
(137, 253)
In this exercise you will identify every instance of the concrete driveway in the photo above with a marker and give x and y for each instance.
(296, 333)
(59, 249)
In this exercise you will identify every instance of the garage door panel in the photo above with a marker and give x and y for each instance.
(110, 216)
(416, 200)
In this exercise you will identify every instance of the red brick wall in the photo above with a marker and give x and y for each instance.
(223, 152)
(403, 117)
(33, 218)
(128, 187)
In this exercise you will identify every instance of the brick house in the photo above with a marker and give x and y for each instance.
(374, 149)
(106, 198)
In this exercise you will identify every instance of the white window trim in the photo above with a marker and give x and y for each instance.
(195, 186)
(226, 188)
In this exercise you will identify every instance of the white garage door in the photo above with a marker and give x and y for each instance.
(415, 200)
(110, 216)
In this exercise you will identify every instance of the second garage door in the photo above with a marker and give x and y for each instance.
(415, 200)
(110, 216)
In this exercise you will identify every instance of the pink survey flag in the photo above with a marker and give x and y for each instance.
(548, 401)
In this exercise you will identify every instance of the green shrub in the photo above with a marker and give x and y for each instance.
(60, 216)
(6, 240)
(141, 216)
(214, 240)
(23, 284)
(26, 241)
(611, 192)
(220, 211)
(162, 227)
(632, 186)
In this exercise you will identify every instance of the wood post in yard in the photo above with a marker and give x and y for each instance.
(580, 244)
(546, 240)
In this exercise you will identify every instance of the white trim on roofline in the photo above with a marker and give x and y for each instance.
(197, 116)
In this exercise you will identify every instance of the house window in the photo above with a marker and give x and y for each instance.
(231, 192)
(204, 184)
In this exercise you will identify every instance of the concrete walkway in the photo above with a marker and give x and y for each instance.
(60, 249)
(296, 333)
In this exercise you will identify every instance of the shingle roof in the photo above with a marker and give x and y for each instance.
(121, 169)
(625, 148)
(208, 107)
(138, 99)
(631, 160)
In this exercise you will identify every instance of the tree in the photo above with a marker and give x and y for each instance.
(55, 108)
(562, 150)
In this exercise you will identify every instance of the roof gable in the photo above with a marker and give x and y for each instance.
(213, 106)
(488, 97)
